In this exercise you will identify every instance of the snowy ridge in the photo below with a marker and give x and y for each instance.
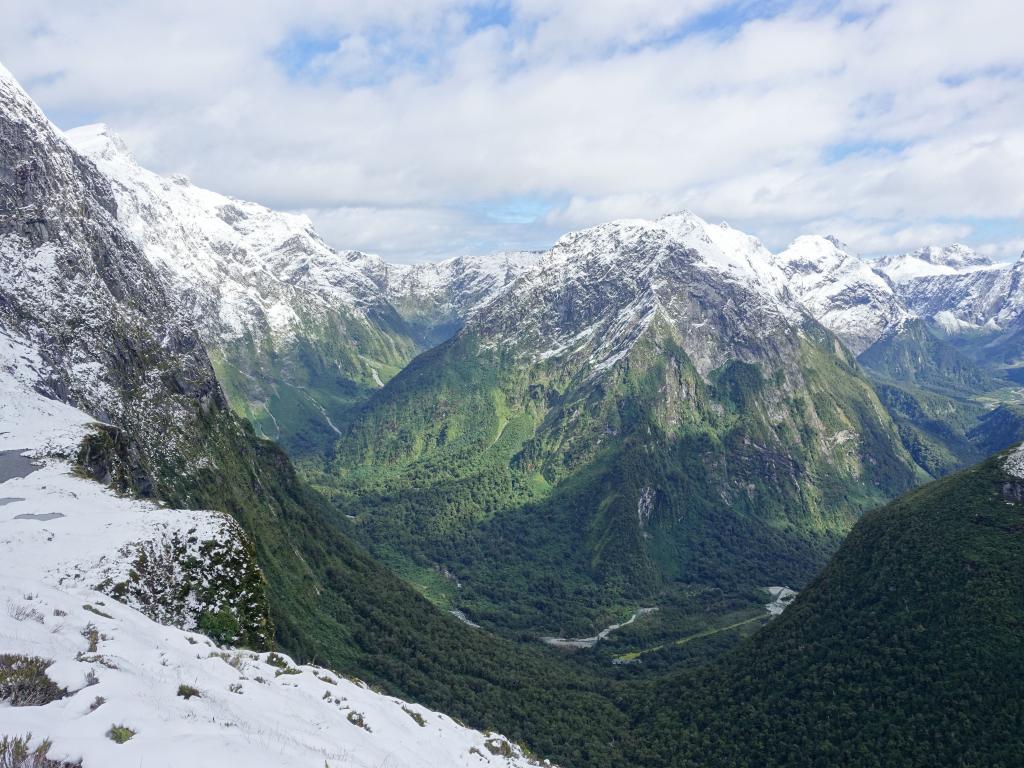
(459, 282)
(592, 297)
(243, 267)
(841, 290)
(980, 297)
(932, 261)
(435, 298)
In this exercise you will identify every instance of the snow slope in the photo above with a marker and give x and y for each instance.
(172, 565)
(251, 710)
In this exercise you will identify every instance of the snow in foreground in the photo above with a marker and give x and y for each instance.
(250, 710)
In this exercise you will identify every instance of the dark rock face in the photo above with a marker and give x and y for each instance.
(1013, 492)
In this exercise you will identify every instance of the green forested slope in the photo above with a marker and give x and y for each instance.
(908, 650)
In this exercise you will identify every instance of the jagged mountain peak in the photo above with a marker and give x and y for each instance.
(814, 252)
(638, 244)
(957, 255)
(595, 294)
(933, 261)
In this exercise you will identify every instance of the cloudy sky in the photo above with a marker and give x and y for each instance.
(425, 128)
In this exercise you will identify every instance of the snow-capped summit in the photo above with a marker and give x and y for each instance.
(596, 292)
(639, 244)
(932, 261)
(841, 290)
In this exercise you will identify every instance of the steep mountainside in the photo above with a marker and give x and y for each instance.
(907, 650)
(296, 331)
(435, 298)
(841, 290)
(899, 316)
(645, 407)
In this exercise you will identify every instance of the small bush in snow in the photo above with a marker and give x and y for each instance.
(415, 716)
(91, 634)
(15, 752)
(356, 718)
(23, 681)
(23, 612)
(187, 692)
(120, 733)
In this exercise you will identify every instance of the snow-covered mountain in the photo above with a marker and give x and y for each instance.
(245, 269)
(647, 386)
(74, 289)
(956, 289)
(841, 290)
(295, 327)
